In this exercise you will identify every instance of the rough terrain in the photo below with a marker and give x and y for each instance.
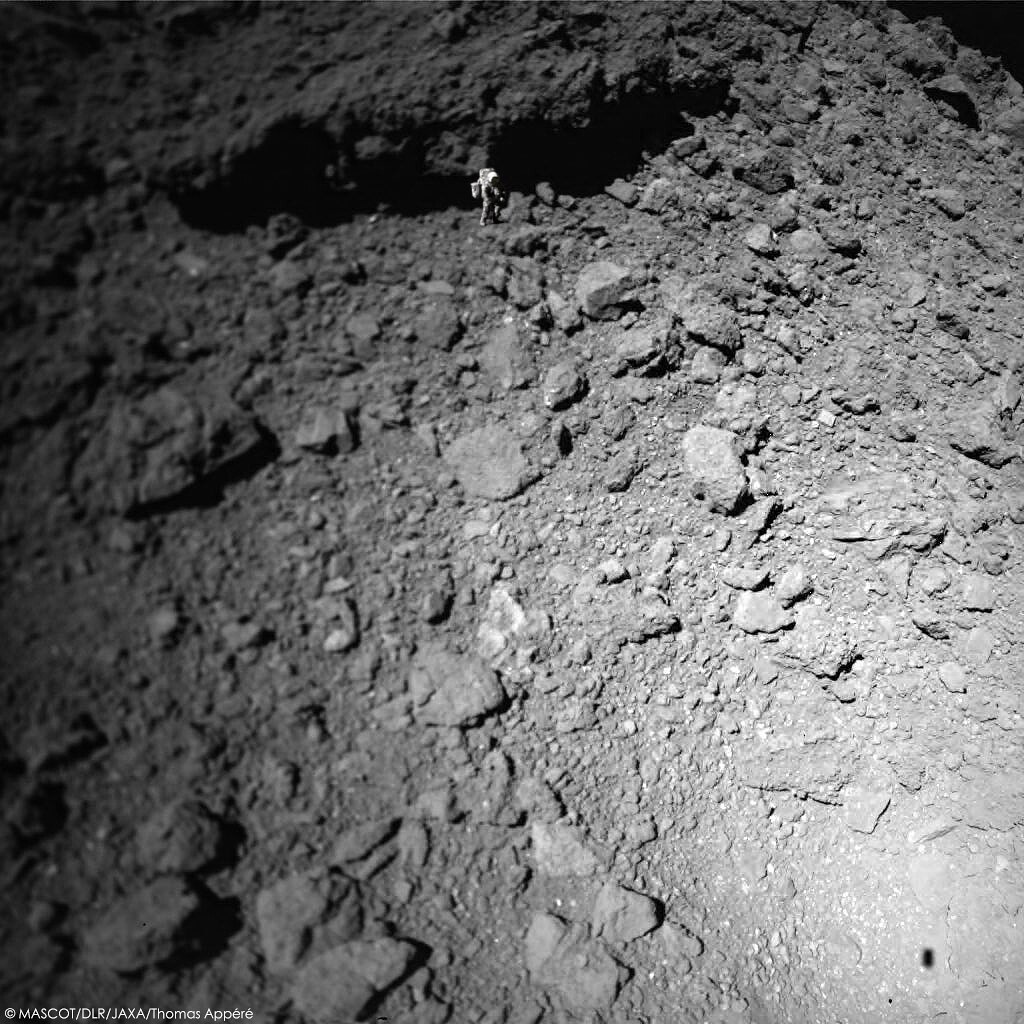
(610, 615)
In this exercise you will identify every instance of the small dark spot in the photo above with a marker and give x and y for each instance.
(927, 957)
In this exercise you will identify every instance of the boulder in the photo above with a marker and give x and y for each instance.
(714, 469)
(489, 463)
(760, 613)
(452, 690)
(601, 288)
(337, 986)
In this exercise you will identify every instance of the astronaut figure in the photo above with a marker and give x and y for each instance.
(494, 198)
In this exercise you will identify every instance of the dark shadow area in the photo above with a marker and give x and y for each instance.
(991, 26)
(961, 104)
(298, 168)
(209, 490)
(927, 957)
(582, 161)
(206, 931)
(286, 173)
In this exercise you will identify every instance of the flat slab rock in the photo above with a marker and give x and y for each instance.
(452, 690)
(489, 463)
(863, 807)
(715, 471)
(336, 987)
(621, 915)
(760, 613)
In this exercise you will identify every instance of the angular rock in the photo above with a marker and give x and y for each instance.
(287, 276)
(807, 245)
(662, 554)
(744, 578)
(537, 799)
(326, 430)
(636, 619)
(611, 570)
(953, 677)
(159, 448)
(715, 471)
(341, 619)
(621, 915)
(706, 323)
(930, 622)
(450, 690)
(979, 645)
(949, 200)
(506, 359)
(976, 434)
(338, 986)
(978, 594)
(355, 843)
(863, 807)
(760, 613)
(766, 170)
(489, 463)
(656, 196)
(506, 625)
(762, 240)
(561, 958)
(285, 913)
(601, 288)
(793, 586)
(644, 345)
(678, 942)
(706, 366)
(562, 385)
(180, 838)
(147, 928)
(575, 714)
(438, 325)
(1010, 122)
(623, 191)
(559, 851)
(619, 472)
